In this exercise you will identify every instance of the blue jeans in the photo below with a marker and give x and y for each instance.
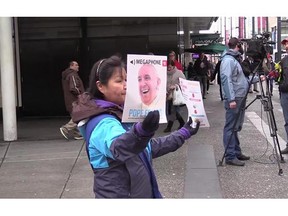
(284, 104)
(203, 84)
(269, 82)
(231, 128)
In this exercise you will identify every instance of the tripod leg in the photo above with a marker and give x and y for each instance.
(268, 108)
(273, 131)
(277, 153)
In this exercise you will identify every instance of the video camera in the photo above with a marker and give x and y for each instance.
(259, 46)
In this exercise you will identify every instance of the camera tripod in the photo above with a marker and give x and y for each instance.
(268, 108)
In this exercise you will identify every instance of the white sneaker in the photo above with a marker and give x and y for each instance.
(64, 132)
(78, 137)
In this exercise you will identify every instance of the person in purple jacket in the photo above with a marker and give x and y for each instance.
(120, 154)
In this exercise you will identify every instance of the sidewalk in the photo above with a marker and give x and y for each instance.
(42, 164)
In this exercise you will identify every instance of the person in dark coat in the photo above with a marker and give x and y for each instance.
(72, 87)
(283, 90)
(215, 74)
(202, 67)
(191, 72)
(120, 154)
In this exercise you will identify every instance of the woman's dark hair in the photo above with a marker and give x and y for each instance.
(171, 62)
(102, 71)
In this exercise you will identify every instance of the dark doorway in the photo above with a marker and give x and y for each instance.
(42, 62)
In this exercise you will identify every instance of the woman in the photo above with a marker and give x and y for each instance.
(173, 112)
(119, 153)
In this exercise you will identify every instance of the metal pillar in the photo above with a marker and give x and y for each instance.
(253, 26)
(8, 80)
(187, 44)
(231, 28)
(279, 49)
(225, 30)
(267, 24)
(244, 27)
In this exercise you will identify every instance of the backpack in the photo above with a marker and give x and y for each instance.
(245, 65)
(216, 71)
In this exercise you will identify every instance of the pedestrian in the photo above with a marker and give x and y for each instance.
(271, 75)
(234, 87)
(191, 71)
(283, 90)
(72, 87)
(215, 74)
(173, 111)
(120, 154)
(202, 68)
(172, 56)
(209, 74)
(249, 61)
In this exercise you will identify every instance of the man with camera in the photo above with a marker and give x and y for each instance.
(283, 90)
(234, 87)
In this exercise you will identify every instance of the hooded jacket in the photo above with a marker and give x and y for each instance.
(72, 87)
(234, 84)
(114, 147)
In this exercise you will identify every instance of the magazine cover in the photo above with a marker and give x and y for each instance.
(191, 91)
(146, 87)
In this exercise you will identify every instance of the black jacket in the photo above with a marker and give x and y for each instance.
(283, 84)
(202, 66)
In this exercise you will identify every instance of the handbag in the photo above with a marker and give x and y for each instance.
(178, 98)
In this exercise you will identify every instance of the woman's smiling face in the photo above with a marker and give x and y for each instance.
(115, 90)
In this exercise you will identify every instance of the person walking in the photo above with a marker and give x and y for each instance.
(120, 154)
(234, 87)
(72, 87)
(173, 111)
(191, 72)
(271, 75)
(215, 74)
(283, 90)
(172, 56)
(202, 68)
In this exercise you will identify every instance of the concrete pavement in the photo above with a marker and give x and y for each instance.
(42, 164)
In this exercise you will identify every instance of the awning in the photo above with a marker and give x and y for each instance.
(206, 38)
(213, 48)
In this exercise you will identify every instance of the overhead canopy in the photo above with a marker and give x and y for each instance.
(213, 48)
(206, 39)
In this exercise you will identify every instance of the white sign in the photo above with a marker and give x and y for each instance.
(146, 87)
(191, 91)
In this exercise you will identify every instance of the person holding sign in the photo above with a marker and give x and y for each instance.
(120, 154)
